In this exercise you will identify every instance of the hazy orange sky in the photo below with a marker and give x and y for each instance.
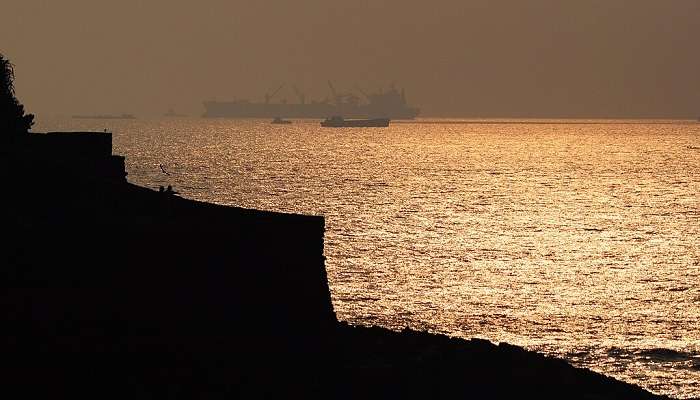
(472, 58)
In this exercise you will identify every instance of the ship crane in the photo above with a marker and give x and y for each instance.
(269, 97)
(302, 96)
(336, 96)
(359, 89)
(341, 98)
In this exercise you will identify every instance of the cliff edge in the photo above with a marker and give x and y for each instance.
(113, 290)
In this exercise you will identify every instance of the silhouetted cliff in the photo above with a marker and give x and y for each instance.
(114, 290)
(165, 259)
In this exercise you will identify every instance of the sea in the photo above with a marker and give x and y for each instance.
(579, 239)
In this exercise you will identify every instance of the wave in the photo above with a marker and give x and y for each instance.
(668, 355)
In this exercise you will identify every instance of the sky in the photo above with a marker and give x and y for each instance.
(455, 58)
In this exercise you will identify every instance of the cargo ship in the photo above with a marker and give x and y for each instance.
(389, 104)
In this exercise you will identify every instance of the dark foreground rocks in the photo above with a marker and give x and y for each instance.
(345, 363)
(110, 290)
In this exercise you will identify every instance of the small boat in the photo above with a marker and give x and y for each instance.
(340, 122)
(281, 121)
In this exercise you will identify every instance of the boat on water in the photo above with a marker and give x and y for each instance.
(105, 116)
(281, 121)
(340, 122)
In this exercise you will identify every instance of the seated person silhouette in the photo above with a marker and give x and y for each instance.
(170, 190)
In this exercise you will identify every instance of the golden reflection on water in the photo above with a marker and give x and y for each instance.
(576, 240)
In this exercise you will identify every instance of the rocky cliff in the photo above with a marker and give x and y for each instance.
(113, 290)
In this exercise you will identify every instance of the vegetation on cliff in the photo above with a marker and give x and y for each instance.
(13, 120)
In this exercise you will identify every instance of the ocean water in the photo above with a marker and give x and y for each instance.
(577, 240)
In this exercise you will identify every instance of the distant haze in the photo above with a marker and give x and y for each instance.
(469, 58)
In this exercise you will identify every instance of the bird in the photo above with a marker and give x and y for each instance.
(163, 169)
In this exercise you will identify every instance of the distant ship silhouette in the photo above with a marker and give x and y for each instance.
(384, 104)
(105, 116)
